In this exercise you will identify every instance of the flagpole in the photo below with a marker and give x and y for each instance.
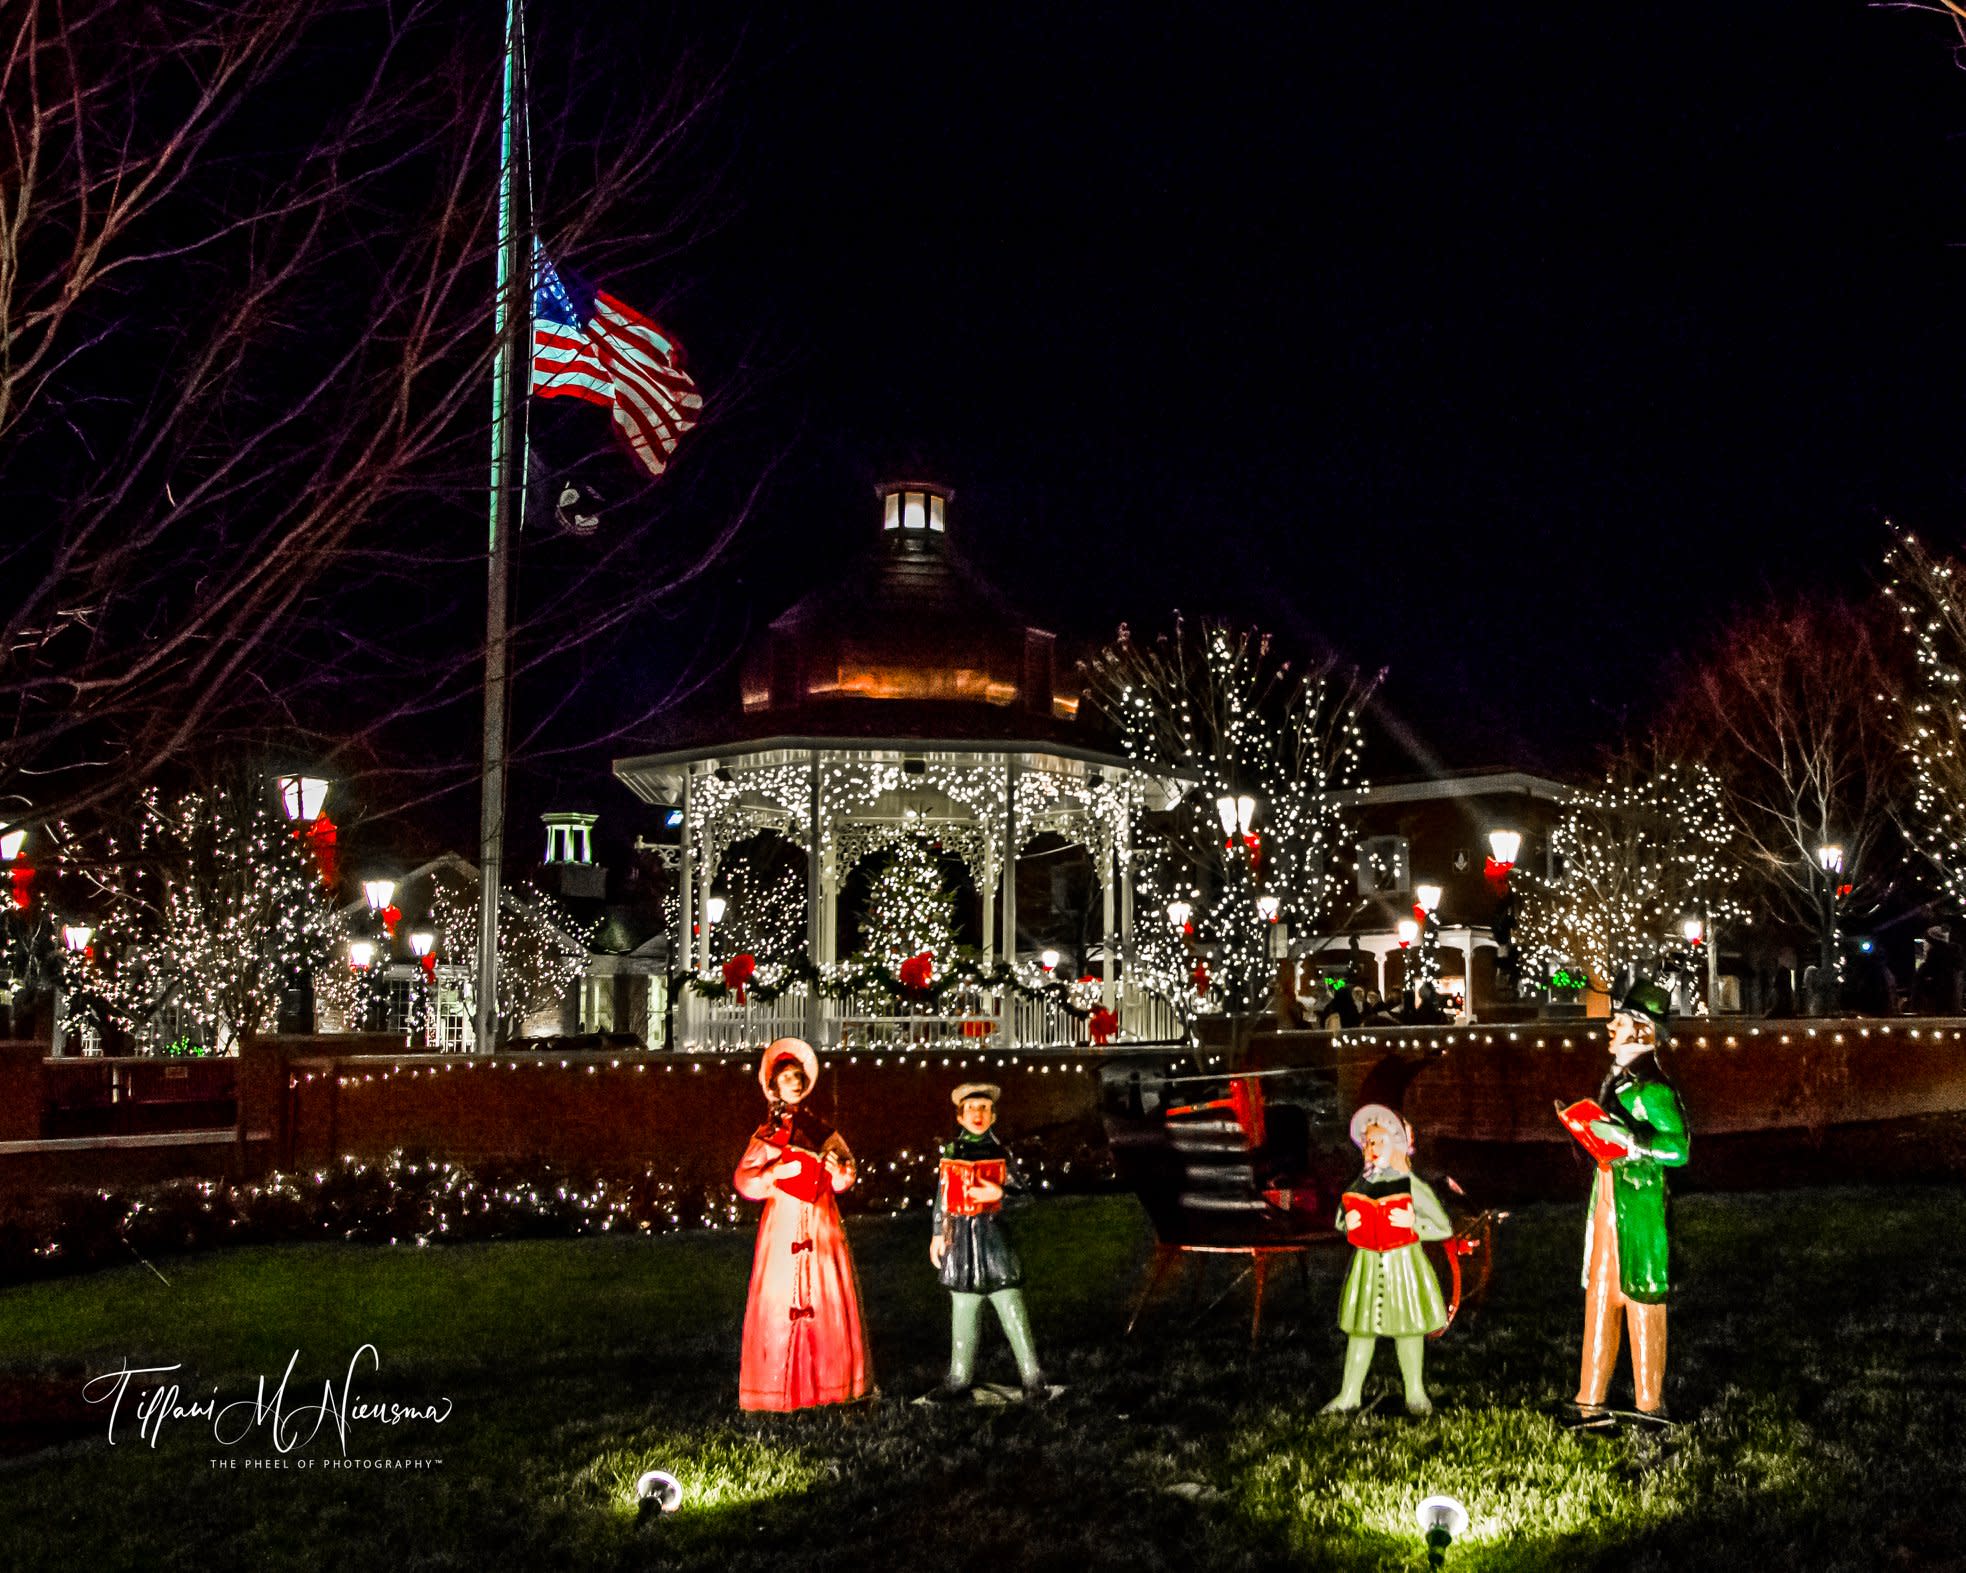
(510, 377)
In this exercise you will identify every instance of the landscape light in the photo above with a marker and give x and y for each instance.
(1427, 897)
(714, 909)
(11, 841)
(1505, 844)
(303, 797)
(75, 937)
(1441, 1519)
(658, 1492)
(1178, 913)
(378, 892)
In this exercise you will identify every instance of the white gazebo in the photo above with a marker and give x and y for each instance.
(910, 701)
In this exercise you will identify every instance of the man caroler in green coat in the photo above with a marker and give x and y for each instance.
(1625, 1242)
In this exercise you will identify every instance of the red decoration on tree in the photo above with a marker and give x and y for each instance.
(738, 972)
(1104, 1025)
(916, 971)
(1201, 977)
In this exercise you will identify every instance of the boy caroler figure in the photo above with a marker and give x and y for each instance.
(1391, 1291)
(1636, 1130)
(969, 1248)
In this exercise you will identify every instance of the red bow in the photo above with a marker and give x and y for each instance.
(1104, 1025)
(916, 971)
(738, 971)
(801, 1245)
(801, 1310)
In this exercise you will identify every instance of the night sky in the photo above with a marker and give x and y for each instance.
(1508, 348)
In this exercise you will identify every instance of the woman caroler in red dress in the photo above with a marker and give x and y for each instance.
(804, 1342)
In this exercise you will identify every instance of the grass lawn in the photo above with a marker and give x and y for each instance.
(1816, 1362)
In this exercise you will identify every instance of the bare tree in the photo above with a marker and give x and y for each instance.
(245, 267)
(1219, 705)
(1791, 708)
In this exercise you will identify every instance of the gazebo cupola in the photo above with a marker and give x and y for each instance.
(910, 625)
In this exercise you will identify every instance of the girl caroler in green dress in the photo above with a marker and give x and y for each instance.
(1391, 1291)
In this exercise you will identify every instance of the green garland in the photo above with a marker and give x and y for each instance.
(871, 977)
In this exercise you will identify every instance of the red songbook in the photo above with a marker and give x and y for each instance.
(1577, 1121)
(1376, 1230)
(812, 1180)
(961, 1176)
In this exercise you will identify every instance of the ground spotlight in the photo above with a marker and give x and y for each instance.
(1440, 1519)
(658, 1492)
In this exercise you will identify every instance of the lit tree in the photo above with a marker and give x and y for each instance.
(1638, 855)
(1790, 709)
(1930, 597)
(1215, 703)
(908, 909)
(214, 913)
(542, 951)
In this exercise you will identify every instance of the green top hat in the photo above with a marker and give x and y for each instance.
(1651, 1002)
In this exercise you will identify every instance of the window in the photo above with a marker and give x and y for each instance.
(1384, 866)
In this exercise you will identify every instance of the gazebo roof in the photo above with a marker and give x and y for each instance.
(910, 642)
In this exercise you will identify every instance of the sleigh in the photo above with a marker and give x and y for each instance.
(1223, 1169)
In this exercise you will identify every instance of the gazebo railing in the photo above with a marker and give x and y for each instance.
(971, 1018)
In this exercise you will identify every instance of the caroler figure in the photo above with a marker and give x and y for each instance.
(1391, 1291)
(1636, 1130)
(804, 1338)
(969, 1249)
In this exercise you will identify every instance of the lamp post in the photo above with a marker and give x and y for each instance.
(304, 800)
(1829, 858)
(1426, 900)
(423, 946)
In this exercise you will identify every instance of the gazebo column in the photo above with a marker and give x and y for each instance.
(991, 863)
(1126, 893)
(1010, 861)
(1108, 857)
(815, 904)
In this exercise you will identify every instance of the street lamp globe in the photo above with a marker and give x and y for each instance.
(302, 797)
(378, 892)
(361, 954)
(1178, 913)
(75, 937)
(1504, 845)
(1267, 908)
(1409, 931)
(1831, 857)
(1245, 814)
(714, 910)
(1225, 810)
(1049, 960)
(11, 841)
(1694, 930)
(422, 942)
(1427, 898)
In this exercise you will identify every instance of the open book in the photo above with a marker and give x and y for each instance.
(961, 1176)
(812, 1180)
(1577, 1121)
(1376, 1230)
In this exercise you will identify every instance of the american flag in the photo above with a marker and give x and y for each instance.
(588, 345)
